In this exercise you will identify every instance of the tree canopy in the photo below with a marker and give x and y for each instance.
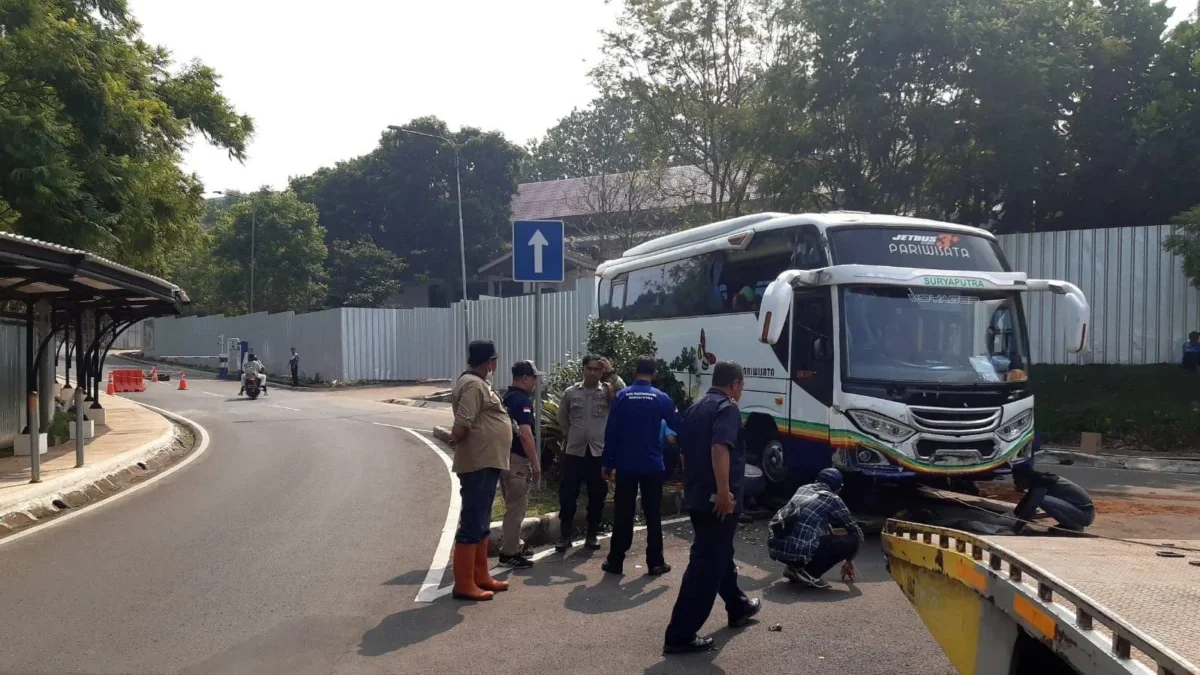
(93, 121)
(1017, 115)
(402, 196)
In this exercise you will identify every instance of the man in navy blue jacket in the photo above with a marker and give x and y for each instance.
(633, 448)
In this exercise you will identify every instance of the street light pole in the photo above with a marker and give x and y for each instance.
(462, 242)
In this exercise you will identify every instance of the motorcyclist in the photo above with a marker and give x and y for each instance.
(254, 368)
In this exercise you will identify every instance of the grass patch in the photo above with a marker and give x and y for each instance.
(1152, 408)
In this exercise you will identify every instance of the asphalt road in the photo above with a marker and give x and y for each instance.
(1090, 478)
(297, 544)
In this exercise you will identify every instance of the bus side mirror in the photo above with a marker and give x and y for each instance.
(773, 312)
(1077, 315)
(820, 349)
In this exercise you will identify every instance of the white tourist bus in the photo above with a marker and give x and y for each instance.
(883, 345)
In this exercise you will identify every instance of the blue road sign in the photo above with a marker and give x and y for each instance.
(538, 250)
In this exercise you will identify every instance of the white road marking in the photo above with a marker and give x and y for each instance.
(208, 393)
(124, 493)
(279, 406)
(396, 426)
(441, 556)
(446, 590)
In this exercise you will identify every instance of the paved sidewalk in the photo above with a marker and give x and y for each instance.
(131, 431)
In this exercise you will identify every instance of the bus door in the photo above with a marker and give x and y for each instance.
(811, 364)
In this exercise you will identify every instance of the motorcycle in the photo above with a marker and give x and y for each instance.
(253, 386)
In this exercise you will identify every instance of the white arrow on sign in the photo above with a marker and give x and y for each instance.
(538, 242)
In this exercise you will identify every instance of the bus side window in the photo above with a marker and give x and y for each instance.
(812, 345)
(604, 299)
(618, 299)
(810, 252)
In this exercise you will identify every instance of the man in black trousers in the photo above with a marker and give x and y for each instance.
(633, 448)
(714, 470)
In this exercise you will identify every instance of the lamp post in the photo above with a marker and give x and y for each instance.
(253, 228)
(462, 244)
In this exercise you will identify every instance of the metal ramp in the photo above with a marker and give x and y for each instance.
(1096, 606)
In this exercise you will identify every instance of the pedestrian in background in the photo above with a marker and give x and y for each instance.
(294, 362)
(815, 531)
(482, 436)
(633, 447)
(523, 465)
(714, 457)
(582, 416)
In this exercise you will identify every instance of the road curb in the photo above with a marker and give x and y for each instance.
(547, 528)
(1124, 461)
(102, 480)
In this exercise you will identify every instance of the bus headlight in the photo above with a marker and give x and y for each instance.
(1011, 431)
(880, 426)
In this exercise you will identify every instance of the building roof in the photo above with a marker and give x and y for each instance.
(35, 270)
(681, 186)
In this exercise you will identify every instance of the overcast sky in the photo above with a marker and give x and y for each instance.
(323, 79)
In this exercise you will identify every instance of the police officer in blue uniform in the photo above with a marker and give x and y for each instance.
(714, 470)
(633, 448)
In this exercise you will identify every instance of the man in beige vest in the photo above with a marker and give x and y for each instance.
(482, 434)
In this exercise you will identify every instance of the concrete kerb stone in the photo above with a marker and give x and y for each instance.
(89, 484)
(419, 403)
(1124, 461)
(547, 528)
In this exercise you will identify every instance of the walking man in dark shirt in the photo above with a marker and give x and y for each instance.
(1063, 500)
(633, 448)
(714, 469)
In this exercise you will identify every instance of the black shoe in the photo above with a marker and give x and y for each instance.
(753, 606)
(592, 542)
(563, 545)
(517, 562)
(611, 568)
(698, 644)
(656, 570)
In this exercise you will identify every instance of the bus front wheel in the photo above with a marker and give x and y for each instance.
(772, 462)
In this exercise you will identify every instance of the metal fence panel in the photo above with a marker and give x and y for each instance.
(1143, 306)
(12, 380)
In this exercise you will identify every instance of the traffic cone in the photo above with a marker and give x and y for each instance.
(154, 373)
(112, 388)
(182, 380)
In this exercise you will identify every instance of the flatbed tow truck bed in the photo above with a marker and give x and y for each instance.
(1013, 604)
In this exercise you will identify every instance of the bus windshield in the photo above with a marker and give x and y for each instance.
(915, 247)
(933, 336)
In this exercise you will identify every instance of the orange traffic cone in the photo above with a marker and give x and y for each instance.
(182, 380)
(154, 373)
(112, 388)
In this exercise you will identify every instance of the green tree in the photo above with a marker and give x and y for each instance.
(597, 140)
(288, 254)
(693, 69)
(93, 121)
(362, 274)
(1185, 242)
(402, 196)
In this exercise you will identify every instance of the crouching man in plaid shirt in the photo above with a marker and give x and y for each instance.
(802, 532)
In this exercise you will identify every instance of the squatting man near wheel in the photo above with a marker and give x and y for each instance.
(814, 531)
(1061, 499)
(524, 466)
(482, 441)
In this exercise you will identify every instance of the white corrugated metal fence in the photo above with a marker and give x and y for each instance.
(1142, 310)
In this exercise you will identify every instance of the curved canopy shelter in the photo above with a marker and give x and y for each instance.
(80, 301)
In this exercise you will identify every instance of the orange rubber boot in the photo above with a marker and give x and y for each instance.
(482, 578)
(465, 587)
